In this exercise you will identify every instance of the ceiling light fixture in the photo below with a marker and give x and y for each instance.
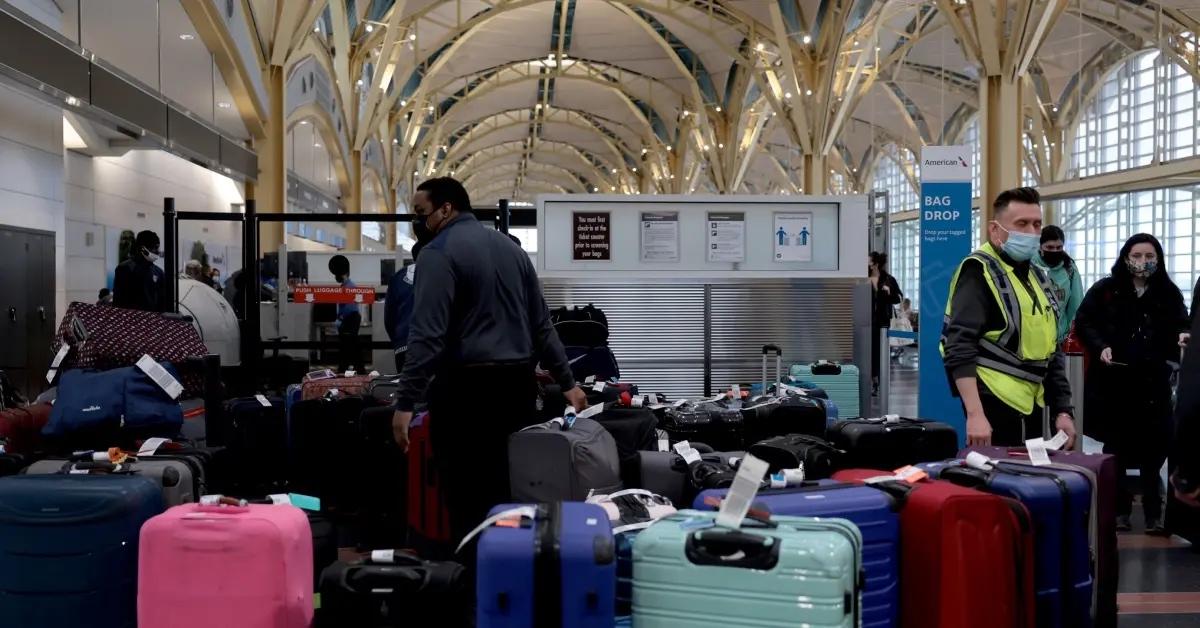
(614, 171)
(370, 28)
(72, 101)
(720, 146)
(635, 169)
(304, 122)
(808, 92)
(807, 39)
(395, 141)
(187, 37)
(403, 103)
(787, 95)
(760, 47)
(316, 145)
(412, 37)
(316, 29)
(224, 105)
(718, 108)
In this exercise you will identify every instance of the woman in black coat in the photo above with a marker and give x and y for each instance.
(885, 296)
(1132, 324)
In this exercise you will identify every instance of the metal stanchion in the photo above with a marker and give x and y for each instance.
(1075, 379)
(885, 371)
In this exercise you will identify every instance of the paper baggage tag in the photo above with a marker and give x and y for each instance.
(591, 411)
(638, 401)
(280, 499)
(741, 494)
(736, 391)
(685, 450)
(58, 358)
(976, 460)
(598, 387)
(1056, 443)
(150, 446)
(910, 474)
(383, 556)
(679, 404)
(664, 444)
(263, 400)
(351, 373)
(160, 376)
(1037, 452)
(591, 379)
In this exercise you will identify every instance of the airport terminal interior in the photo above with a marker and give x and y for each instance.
(736, 211)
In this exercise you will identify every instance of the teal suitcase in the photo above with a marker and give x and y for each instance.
(842, 388)
(794, 571)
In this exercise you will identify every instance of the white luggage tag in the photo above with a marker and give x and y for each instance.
(58, 358)
(598, 387)
(976, 460)
(165, 380)
(745, 487)
(383, 556)
(1056, 443)
(524, 512)
(263, 401)
(149, 447)
(1037, 452)
(591, 411)
(684, 449)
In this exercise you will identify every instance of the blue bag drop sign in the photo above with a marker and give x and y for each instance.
(945, 241)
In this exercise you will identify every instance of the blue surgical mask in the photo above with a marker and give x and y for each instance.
(1020, 246)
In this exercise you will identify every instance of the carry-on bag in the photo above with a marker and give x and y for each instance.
(1103, 467)
(564, 459)
(117, 405)
(226, 563)
(428, 521)
(603, 391)
(688, 572)
(383, 389)
(892, 442)
(704, 422)
(382, 506)
(392, 588)
(21, 427)
(103, 337)
(69, 547)
(817, 457)
(334, 387)
(1060, 504)
(875, 514)
(317, 427)
(665, 472)
(598, 362)
(580, 326)
(966, 557)
(839, 381)
(255, 437)
(174, 477)
(634, 430)
(546, 566)
(766, 417)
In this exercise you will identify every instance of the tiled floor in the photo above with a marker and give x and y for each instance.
(1160, 578)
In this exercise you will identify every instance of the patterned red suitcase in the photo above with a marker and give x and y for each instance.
(104, 337)
(966, 556)
(345, 386)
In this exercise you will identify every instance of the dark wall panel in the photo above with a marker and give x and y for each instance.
(190, 134)
(239, 159)
(117, 96)
(27, 50)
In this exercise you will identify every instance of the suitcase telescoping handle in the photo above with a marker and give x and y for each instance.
(767, 350)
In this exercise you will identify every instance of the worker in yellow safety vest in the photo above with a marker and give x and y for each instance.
(999, 336)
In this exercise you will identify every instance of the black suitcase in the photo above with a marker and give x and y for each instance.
(818, 457)
(324, 436)
(12, 464)
(383, 505)
(891, 443)
(404, 591)
(255, 440)
(634, 429)
(706, 422)
(766, 417)
(665, 472)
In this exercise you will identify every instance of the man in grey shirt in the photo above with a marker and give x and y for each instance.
(479, 326)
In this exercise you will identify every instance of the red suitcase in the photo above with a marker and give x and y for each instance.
(345, 386)
(21, 428)
(966, 556)
(1104, 468)
(427, 516)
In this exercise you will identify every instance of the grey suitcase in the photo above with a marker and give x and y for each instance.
(174, 476)
(553, 462)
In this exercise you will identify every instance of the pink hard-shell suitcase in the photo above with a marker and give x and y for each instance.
(207, 566)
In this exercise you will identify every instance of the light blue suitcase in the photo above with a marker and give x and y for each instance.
(797, 571)
(842, 388)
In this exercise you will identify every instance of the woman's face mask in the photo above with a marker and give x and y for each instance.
(1141, 268)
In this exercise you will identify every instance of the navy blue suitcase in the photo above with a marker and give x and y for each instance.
(875, 514)
(68, 548)
(1059, 501)
(557, 570)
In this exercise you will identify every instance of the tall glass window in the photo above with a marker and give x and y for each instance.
(890, 177)
(905, 258)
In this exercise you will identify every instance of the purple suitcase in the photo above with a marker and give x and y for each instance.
(1104, 468)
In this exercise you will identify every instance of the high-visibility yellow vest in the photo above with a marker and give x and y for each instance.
(1013, 361)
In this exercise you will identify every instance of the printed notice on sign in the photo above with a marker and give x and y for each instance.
(660, 236)
(727, 237)
(793, 237)
(592, 237)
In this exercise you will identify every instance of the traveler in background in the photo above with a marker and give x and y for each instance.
(105, 297)
(137, 282)
(999, 342)
(907, 312)
(1068, 287)
(885, 295)
(480, 325)
(1185, 476)
(214, 280)
(398, 304)
(194, 271)
(349, 318)
(1132, 324)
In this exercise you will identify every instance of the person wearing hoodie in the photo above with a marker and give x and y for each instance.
(1064, 274)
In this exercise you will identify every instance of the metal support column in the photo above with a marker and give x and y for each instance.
(252, 331)
(171, 261)
(505, 216)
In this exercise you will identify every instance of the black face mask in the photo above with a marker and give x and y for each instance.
(422, 231)
(1054, 258)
